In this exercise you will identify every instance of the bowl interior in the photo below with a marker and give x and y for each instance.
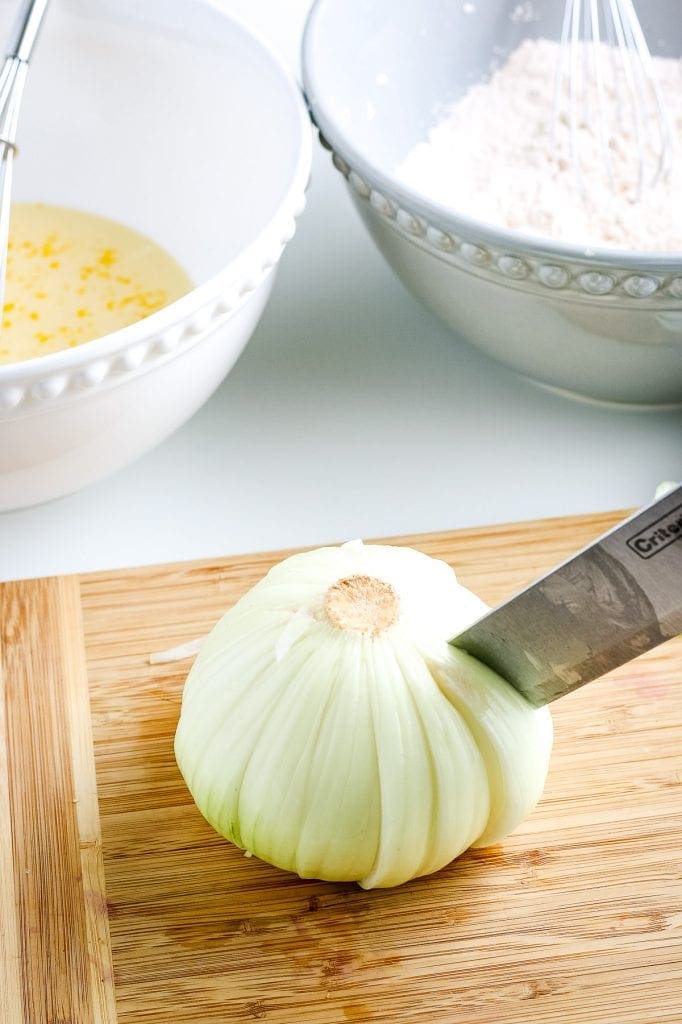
(376, 71)
(164, 115)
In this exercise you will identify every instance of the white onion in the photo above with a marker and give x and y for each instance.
(328, 728)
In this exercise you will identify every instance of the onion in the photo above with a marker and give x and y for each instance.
(328, 728)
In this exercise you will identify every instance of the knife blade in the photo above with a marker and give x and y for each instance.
(614, 600)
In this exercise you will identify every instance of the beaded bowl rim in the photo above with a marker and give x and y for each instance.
(520, 268)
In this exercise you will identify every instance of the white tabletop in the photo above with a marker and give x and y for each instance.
(351, 413)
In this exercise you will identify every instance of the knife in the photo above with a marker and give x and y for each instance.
(614, 600)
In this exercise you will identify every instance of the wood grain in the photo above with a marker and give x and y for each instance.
(54, 942)
(577, 918)
(574, 919)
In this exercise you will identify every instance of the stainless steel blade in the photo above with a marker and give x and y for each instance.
(612, 601)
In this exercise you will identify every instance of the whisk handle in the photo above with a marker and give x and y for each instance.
(23, 36)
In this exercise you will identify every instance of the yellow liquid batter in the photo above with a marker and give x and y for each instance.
(74, 276)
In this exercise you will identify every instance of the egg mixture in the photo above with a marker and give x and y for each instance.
(73, 276)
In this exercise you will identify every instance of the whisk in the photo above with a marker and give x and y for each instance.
(605, 80)
(12, 80)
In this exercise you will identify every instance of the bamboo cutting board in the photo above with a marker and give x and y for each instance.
(140, 913)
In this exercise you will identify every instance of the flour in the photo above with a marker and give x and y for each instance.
(491, 156)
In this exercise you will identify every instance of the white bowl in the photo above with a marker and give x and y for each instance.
(174, 119)
(600, 323)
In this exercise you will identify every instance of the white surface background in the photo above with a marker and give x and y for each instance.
(351, 413)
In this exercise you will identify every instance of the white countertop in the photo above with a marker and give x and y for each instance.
(351, 413)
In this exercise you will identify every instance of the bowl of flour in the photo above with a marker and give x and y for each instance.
(441, 116)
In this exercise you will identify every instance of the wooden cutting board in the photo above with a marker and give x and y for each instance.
(140, 913)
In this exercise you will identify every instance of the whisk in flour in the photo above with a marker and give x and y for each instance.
(489, 155)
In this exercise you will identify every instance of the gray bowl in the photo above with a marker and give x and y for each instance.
(600, 323)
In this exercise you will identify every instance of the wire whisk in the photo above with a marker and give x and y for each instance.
(12, 80)
(609, 115)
